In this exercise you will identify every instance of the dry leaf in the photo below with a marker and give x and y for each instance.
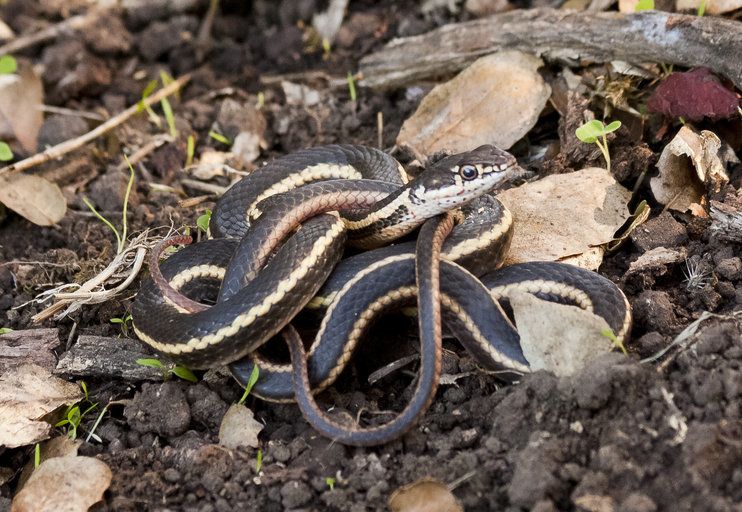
(565, 215)
(64, 484)
(496, 100)
(556, 337)
(688, 165)
(29, 392)
(239, 428)
(61, 446)
(426, 495)
(34, 198)
(20, 97)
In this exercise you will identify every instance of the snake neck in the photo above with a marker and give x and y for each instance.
(389, 219)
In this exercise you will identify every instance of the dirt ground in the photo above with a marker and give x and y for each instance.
(621, 435)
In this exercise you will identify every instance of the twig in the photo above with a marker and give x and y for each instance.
(19, 43)
(562, 35)
(72, 144)
(89, 293)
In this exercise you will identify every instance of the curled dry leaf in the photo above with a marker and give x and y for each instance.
(496, 101)
(688, 166)
(20, 96)
(34, 198)
(64, 484)
(426, 495)
(239, 428)
(556, 337)
(566, 215)
(27, 393)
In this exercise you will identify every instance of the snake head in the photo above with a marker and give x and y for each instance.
(458, 179)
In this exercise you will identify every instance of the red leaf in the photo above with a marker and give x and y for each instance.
(693, 95)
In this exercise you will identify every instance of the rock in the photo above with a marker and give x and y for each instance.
(159, 408)
(662, 231)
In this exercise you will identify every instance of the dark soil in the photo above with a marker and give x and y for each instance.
(621, 435)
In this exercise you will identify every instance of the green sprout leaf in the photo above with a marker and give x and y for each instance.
(190, 151)
(36, 456)
(259, 462)
(644, 5)
(250, 383)
(5, 153)
(184, 373)
(154, 363)
(330, 482)
(352, 86)
(8, 65)
(219, 137)
(203, 221)
(5, 330)
(609, 334)
(702, 8)
(590, 131)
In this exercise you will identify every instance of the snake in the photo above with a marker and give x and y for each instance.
(275, 252)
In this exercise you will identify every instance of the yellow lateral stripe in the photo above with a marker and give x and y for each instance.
(247, 318)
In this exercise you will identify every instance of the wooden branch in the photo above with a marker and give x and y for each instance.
(726, 222)
(571, 36)
(72, 144)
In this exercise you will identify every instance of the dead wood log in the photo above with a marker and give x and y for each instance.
(565, 36)
(726, 222)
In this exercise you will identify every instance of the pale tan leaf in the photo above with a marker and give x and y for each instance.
(565, 215)
(496, 100)
(239, 428)
(64, 484)
(688, 165)
(34, 198)
(556, 337)
(61, 446)
(426, 495)
(21, 95)
(27, 393)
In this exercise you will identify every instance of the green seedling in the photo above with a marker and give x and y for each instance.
(219, 137)
(590, 131)
(644, 5)
(179, 371)
(73, 417)
(36, 456)
(261, 99)
(330, 483)
(250, 383)
(120, 240)
(352, 87)
(5, 330)
(5, 153)
(190, 149)
(167, 109)
(702, 8)
(164, 102)
(125, 325)
(8, 65)
(609, 334)
(259, 463)
(203, 221)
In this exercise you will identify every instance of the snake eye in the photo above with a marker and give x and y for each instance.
(468, 172)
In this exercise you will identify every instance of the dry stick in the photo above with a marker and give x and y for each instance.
(72, 144)
(19, 43)
(565, 36)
